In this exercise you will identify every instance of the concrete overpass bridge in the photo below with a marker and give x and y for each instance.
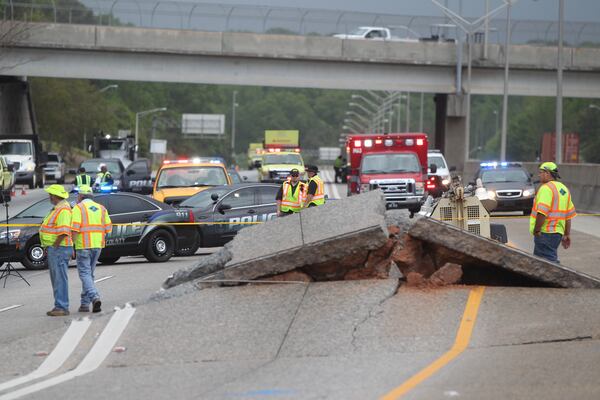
(166, 55)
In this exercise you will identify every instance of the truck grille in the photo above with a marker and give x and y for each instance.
(395, 189)
(279, 174)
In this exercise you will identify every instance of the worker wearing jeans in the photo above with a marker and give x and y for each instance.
(90, 224)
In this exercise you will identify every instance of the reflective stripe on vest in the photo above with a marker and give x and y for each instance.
(84, 179)
(319, 196)
(293, 201)
(49, 230)
(104, 176)
(93, 226)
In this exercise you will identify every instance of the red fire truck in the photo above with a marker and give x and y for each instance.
(396, 163)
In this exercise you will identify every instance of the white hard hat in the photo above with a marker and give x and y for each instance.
(100, 166)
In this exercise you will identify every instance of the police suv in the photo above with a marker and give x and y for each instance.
(232, 207)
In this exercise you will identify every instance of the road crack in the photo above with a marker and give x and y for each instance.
(560, 340)
(371, 314)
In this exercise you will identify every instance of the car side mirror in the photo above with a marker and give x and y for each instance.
(214, 197)
(245, 178)
(130, 172)
(452, 169)
(257, 164)
(72, 171)
(224, 207)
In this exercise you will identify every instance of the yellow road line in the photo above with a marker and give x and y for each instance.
(461, 342)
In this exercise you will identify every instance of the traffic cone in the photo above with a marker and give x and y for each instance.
(23, 191)
(13, 193)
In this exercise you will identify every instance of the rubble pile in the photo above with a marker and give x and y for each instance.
(355, 238)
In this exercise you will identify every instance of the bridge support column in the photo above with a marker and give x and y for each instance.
(16, 109)
(450, 127)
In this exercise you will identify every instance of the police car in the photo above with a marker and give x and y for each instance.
(157, 242)
(233, 207)
(509, 184)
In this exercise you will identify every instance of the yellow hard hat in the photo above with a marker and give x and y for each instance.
(85, 189)
(550, 167)
(57, 190)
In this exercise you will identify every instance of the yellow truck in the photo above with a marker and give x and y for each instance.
(255, 151)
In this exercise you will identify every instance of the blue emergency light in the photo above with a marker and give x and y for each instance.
(494, 164)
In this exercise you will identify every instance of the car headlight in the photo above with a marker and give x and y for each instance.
(445, 182)
(28, 166)
(491, 194)
(12, 235)
(528, 192)
(420, 188)
(364, 187)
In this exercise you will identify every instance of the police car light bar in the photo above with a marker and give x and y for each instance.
(494, 164)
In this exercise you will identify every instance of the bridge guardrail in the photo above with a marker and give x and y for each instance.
(283, 20)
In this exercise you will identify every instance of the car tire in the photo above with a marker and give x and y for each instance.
(32, 182)
(61, 180)
(108, 260)
(527, 212)
(42, 182)
(190, 251)
(160, 246)
(35, 256)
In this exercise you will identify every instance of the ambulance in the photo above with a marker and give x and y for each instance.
(395, 163)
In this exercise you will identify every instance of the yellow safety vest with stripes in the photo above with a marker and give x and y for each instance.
(552, 199)
(293, 201)
(319, 196)
(92, 223)
(83, 179)
(56, 223)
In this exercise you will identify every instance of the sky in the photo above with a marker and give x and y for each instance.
(575, 10)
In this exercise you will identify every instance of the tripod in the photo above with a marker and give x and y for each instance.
(8, 269)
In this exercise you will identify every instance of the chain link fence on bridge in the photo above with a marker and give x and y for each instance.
(280, 20)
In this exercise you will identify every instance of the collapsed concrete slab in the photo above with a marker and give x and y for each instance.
(337, 231)
(482, 257)
(355, 238)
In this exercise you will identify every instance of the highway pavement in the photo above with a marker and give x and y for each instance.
(326, 340)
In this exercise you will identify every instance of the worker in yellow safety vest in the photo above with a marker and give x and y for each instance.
(55, 237)
(315, 195)
(90, 225)
(291, 195)
(104, 177)
(553, 209)
(82, 178)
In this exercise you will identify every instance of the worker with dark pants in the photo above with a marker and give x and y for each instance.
(291, 195)
(316, 189)
(82, 178)
(338, 165)
(55, 237)
(553, 209)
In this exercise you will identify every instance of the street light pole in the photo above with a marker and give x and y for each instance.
(504, 133)
(559, 83)
(233, 107)
(137, 123)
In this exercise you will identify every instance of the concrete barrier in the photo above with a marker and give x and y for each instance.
(583, 180)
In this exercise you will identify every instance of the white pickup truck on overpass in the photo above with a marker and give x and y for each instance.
(373, 33)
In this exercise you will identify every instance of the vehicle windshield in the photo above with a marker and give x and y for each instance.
(204, 199)
(52, 157)
(107, 144)
(359, 31)
(235, 177)
(191, 177)
(91, 166)
(23, 148)
(293, 159)
(504, 175)
(438, 161)
(390, 163)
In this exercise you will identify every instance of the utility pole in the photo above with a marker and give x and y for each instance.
(559, 83)
(407, 112)
(504, 134)
(421, 112)
(233, 107)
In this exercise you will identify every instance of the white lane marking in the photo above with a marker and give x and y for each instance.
(58, 356)
(11, 307)
(101, 349)
(103, 279)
